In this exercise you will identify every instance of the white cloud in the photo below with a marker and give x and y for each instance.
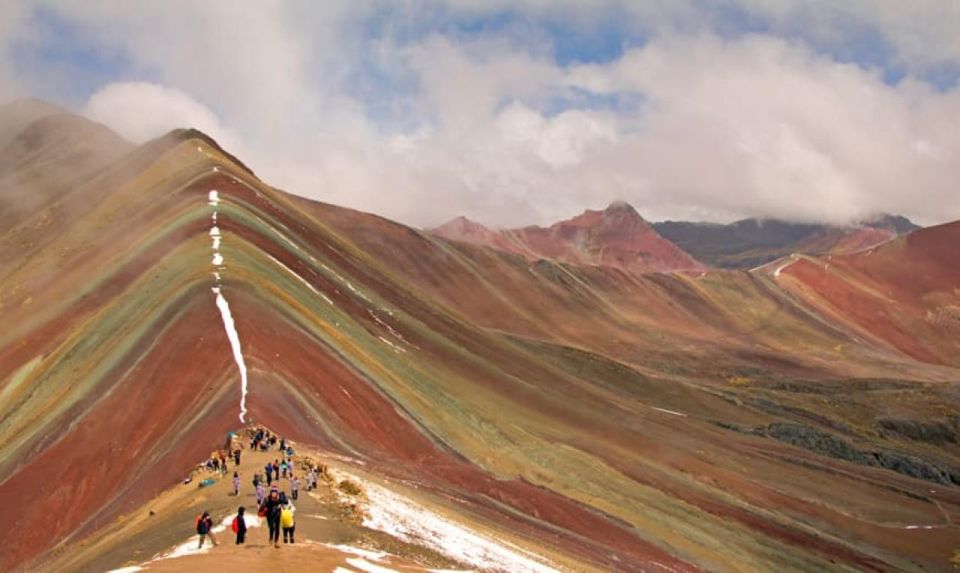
(140, 111)
(764, 127)
(922, 33)
(757, 125)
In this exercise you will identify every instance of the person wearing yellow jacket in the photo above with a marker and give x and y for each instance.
(287, 522)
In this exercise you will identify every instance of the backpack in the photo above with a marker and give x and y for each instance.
(235, 526)
(286, 517)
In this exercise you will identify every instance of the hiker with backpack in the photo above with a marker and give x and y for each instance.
(236, 457)
(283, 468)
(260, 494)
(205, 529)
(269, 469)
(240, 526)
(236, 483)
(287, 522)
(270, 508)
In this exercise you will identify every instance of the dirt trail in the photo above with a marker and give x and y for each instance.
(326, 535)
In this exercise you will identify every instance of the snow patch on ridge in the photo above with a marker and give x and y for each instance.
(190, 547)
(413, 523)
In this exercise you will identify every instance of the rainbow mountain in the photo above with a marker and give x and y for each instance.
(800, 416)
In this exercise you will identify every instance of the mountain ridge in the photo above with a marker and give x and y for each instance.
(600, 418)
(749, 243)
(617, 236)
(746, 243)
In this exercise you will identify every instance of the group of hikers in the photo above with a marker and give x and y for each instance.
(263, 440)
(217, 461)
(273, 503)
(275, 508)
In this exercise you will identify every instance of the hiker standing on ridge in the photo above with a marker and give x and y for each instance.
(240, 526)
(204, 529)
(283, 444)
(276, 469)
(236, 483)
(270, 508)
(236, 456)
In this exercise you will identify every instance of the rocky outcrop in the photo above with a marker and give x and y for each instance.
(827, 444)
(937, 433)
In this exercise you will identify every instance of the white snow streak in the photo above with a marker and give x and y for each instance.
(301, 279)
(234, 337)
(665, 411)
(784, 265)
(229, 325)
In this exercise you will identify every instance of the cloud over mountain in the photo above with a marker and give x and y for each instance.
(514, 114)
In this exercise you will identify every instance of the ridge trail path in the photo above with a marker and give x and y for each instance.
(326, 539)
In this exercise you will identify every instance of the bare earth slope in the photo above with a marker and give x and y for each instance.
(602, 418)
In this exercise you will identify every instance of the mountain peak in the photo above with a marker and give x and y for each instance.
(896, 223)
(621, 210)
(467, 230)
(620, 205)
(460, 223)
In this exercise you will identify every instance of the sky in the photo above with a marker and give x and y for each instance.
(527, 112)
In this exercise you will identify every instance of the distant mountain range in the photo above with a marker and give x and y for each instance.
(619, 237)
(751, 242)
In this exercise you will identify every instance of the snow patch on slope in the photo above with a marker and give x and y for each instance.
(413, 523)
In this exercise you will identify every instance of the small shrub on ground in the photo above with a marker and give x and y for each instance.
(350, 488)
